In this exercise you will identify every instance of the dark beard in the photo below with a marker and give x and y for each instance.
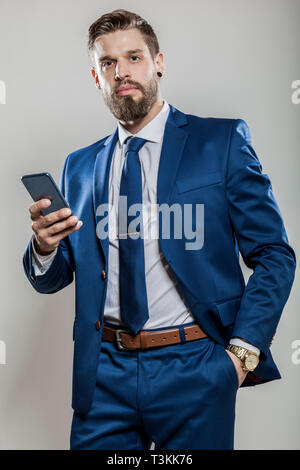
(125, 108)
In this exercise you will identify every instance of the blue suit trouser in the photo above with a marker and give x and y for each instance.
(180, 396)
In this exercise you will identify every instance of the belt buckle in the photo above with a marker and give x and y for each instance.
(119, 340)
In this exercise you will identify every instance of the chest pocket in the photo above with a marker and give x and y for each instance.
(200, 181)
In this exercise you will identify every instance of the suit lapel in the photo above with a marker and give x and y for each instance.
(101, 183)
(171, 153)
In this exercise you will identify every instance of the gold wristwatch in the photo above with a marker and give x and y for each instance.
(248, 358)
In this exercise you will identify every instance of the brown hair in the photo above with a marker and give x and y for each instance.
(122, 20)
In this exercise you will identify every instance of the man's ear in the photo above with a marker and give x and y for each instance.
(95, 76)
(159, 62)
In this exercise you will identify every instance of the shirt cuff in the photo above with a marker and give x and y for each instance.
(41, 263)
(244, 344)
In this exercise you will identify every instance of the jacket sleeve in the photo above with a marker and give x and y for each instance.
(262, 241)
(60, 273)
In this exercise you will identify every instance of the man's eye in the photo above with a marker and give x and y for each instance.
(107, 63)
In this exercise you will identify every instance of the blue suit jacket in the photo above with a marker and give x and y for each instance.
(206, 161)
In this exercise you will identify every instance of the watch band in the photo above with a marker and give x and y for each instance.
(248, 358)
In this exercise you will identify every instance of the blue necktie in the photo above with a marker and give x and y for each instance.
(133, 294)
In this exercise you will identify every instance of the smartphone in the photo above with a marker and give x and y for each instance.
(43, 186)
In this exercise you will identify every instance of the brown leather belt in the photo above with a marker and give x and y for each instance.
(150, 339)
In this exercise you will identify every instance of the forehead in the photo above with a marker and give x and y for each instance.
(119, 42)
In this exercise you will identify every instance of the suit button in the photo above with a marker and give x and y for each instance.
(103, 274)
(97, 325)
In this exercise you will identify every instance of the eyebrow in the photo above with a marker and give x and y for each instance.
(132, 51)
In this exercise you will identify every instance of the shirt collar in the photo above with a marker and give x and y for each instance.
(153, 131)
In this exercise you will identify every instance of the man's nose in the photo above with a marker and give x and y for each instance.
(121, 72)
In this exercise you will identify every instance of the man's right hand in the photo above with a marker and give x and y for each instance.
(51, 228)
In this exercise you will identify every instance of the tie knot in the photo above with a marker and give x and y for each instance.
(134, 144)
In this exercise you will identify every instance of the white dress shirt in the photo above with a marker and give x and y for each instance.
(166, 304)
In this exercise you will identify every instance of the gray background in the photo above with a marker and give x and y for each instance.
(230, 58)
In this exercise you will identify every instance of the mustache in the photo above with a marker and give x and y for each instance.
(128, 82)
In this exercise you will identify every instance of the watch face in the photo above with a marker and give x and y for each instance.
(251, 361)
